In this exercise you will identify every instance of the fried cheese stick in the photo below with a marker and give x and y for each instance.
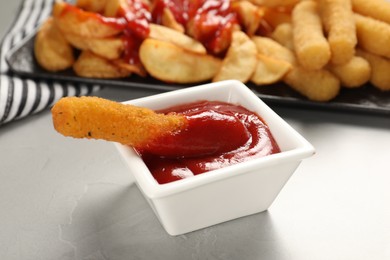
(311, 47)
(283, 34)
(98, 118)
(317, 85)
(339, 23)
(378, 9)
(373, 35)
(380, 67)
(354, 73)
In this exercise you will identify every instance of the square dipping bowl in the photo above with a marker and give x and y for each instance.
(228, 193)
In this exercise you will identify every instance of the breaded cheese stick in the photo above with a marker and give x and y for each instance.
(317, 85)
(339, 24)
(377, 9)
(373, 35)
(380, 68)
(97, 118)
(355, 73)
(311, 47)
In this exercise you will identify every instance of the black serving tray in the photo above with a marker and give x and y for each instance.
(365, 99)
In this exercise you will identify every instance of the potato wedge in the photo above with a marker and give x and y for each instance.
(269, 70)
(249, 14)
(108, 48)
(240, 60)
(51, 49)
(92, 66)
(163, 33)
(275, 3)
(277, 15)
(95, 6)
(132, 68)
(113, 7)
(271, 48)
(168, 62)
(72, 20)
(168, 20)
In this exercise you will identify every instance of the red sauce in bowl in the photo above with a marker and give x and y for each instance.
(231, 134)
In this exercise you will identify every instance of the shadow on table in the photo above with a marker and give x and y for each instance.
(115, 222)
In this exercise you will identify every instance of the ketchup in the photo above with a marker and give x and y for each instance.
(83, 16)
(181, 10)
(132, 19)
(137, 17)
(213, 24)
(218, 134)
(209, 21)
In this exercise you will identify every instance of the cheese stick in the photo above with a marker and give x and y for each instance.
(311, 47)
(340, 27)
(97, 118)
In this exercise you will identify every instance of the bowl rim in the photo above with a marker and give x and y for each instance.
(153, 189)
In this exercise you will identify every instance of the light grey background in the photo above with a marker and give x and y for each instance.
(73, 199)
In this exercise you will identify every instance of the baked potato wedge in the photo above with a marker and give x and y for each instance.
(51, 49)
(171, 63)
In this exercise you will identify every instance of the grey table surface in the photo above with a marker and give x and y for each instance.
(74, 199)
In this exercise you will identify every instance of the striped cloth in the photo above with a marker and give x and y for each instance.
(22, 97)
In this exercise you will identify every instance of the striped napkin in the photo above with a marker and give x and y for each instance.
(19, 97)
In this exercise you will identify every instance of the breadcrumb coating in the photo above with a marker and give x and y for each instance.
(98, 118)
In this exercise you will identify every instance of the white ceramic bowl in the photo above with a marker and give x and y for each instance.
(224, 194)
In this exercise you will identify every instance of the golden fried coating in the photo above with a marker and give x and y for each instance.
(283, 34)
(377, 9)
(311, 47)
(339, 24)
(98, 118)
(316, 85)
(354, 73)
(373, 35)
(380, 68)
